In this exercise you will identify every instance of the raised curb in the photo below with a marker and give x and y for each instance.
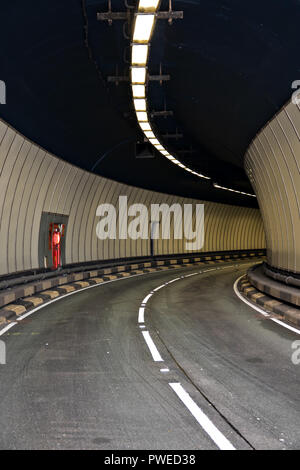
(13, 310)
(283, 292)
(286, 312)
(12, 294)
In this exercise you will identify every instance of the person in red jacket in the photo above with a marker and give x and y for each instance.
(56, 239)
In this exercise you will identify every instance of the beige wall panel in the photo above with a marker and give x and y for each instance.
(53, 190)
(273, 166)
(52, 165)
(22, 196)
(30, 212)
(10, 207)
(3, 130)
(33, 181)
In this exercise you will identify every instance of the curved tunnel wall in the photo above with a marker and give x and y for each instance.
(32, 182)
(272, 163)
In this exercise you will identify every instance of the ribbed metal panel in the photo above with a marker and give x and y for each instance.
(32, 181)
(273, 166)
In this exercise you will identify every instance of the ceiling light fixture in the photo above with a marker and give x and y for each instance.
(142, 117)
(139, 104)
(139, 54)
(143, 28)
(138, 75)
(233, 190)
(148, 5)
(138, 91)
(145, 126)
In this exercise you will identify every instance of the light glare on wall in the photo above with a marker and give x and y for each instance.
(143, 28)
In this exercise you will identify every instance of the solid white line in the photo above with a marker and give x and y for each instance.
(219, 439)
(260, 310)
(153, 349)
(8, 327)
(286, 325)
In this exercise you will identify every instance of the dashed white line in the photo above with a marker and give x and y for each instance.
(174, 280)
(141, 318)
(153, 349)
(217, 437)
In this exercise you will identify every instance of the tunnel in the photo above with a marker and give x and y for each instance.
(149, 227)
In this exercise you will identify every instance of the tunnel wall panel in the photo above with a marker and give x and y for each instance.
(272, 163)
(33, 181)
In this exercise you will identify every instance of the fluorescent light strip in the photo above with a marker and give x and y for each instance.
(139, 54)
(154, 142)
(138, 91)
(142, 117)
(143, 29)
(233, 190)
(139, 104)
(149, 134)
(138, 75)
(148, 5)
(145, 126)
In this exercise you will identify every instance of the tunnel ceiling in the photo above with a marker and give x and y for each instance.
(231, 65)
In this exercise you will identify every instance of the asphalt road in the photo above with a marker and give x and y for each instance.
(79, 374)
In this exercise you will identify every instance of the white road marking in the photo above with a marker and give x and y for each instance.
(141, 318)
(159, 287)
(153, 349)
(147, 298)
(21, 317)
(8, 327)
(174, 280)
(218, 438)
(260, 310)
(76, 292)
(295, 330)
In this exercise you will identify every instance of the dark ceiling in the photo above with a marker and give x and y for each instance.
(231, 64)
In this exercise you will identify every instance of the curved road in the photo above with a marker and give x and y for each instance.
(79, 374)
